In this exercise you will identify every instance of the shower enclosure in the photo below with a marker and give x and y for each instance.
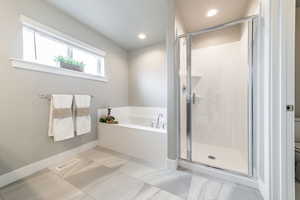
(216, 88)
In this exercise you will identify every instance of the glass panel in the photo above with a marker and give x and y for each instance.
(48, 48)
(92, 62)
(220, 98)
(101, 66)
(28, 44)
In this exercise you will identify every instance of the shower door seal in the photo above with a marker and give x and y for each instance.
(188, 36)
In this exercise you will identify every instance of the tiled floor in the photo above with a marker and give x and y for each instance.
(102, 175)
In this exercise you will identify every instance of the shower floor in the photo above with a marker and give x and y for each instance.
(225, 158)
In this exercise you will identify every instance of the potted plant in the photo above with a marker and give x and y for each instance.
(69, 63)
(108, 119)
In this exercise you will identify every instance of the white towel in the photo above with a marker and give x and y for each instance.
(82, 123)
(61, 128)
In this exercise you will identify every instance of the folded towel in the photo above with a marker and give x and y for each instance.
(82, 114)
(61, 124)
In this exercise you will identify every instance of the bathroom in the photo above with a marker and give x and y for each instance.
(139, 99)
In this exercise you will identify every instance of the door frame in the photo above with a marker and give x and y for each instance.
(279, 79)
(251, 22)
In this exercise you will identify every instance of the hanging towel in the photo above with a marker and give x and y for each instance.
(61, 124)
(82, 114)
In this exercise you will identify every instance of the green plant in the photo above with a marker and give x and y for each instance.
(108, 120)
(68, 60)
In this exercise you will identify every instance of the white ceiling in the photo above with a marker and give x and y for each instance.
(121, 20)
(193, 12)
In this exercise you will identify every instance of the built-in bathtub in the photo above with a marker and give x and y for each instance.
(135, 135)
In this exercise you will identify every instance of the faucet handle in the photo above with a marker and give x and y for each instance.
(153, 124)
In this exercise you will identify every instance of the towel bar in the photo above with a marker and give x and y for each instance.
(48, 96)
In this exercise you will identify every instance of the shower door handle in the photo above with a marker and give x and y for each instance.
(194, 98)
(189, 99)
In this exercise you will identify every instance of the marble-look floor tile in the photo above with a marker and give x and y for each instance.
(95, 155)
(159, 177)
(175, 182)
(88, 177)
(105, 175)
(197, 183)
(178, 186)
(83, 172)
(154, 193)
(227, 191)
(203, 188)
(104, 158)
(115, 187)
(136, 170)
(84, 197)
(72, 166)
(146, 193)
(163, 195)
(245, 193)
(113, 162)
(41, 186)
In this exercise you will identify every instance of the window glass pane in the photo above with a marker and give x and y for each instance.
(48, 48)
(101, 67)
(42, 48)
(28, 44)
(90, 61)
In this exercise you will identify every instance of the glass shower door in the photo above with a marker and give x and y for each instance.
(216, 98)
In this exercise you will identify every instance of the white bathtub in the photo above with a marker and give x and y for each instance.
(134, 135)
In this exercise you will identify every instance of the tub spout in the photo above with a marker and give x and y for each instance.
(159, 120)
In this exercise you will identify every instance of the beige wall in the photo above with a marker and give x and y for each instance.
(148, 76)
(219, 37)
(298, 62)
(24, 116)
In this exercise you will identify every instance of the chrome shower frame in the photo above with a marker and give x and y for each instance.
(251, 20)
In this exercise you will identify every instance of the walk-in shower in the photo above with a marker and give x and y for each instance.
(216, 89)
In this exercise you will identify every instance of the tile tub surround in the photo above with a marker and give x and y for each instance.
(150, 144)
(102, 174)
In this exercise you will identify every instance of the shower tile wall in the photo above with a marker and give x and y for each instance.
(220, 83)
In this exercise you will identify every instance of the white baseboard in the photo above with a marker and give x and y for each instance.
(43, 164)
(172, 164)
(243, 180)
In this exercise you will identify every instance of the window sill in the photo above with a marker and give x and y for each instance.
(33, 66)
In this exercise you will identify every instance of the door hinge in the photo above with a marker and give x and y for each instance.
(290, 108)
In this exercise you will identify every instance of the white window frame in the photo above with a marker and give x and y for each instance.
(50, 32)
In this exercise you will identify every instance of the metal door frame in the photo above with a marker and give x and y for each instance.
(188, 36)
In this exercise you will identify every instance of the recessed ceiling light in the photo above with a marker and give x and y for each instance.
(212, 12)
(142, 36)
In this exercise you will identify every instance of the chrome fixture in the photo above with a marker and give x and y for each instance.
(159, 122)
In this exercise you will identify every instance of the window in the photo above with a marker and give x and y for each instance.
(50, 49)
